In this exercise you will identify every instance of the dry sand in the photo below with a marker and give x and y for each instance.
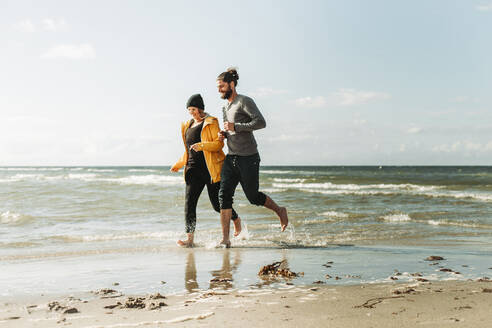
(420, 304)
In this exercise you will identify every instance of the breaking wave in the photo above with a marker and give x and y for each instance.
(152, 179)
(123, 236)
(9, 217)
(397, 218)
(335, 214)
(333, 186)
(329, 188)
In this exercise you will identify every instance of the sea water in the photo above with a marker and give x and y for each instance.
(83, 228)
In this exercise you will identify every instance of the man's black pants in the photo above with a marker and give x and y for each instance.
(246, 171)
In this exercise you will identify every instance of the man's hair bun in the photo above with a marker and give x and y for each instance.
(233, 71)
(230, 75)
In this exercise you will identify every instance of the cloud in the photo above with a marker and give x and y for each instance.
(343, 97)
(460, 146)
(24, 120)
(359, 122)
(25, 26)
(351, 97)
(50, 24)
(464, 99)
(47, 24)
(266, 92)
(293, 138)
(81, 51)
(484, 7)
(312, 102)
(414, 130)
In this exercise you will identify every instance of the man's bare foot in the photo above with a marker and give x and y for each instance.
(224, 244)
(284, 219)
(237, 226)
(185, 243)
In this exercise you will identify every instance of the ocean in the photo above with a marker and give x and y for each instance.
(83, 228)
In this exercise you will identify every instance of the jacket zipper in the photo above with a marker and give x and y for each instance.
(201, 139)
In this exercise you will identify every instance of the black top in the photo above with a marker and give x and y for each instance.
(193, 135)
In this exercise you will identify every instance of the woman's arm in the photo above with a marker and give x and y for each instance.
(179, 164)
(215, 144)
(182, 161)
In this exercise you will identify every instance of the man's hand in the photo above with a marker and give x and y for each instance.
(195, 147)
(174, 169)
(228, 126)
(222, 135)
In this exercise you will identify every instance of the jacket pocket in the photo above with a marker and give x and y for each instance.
(219, 158)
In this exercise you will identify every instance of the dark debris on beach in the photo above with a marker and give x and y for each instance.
(140, 303)
(57, 307)
(434, 258)
(277, 270)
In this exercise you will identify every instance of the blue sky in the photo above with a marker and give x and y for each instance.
(339, 82)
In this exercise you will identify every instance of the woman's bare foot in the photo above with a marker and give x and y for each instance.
(237, 226)
(185, 243)
(284, 219)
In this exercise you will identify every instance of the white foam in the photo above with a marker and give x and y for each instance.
(31, 168)
(397, 218)
(458, 224)
(273, 190)
(346, 192)
(142, 170)
(22, 177)
(8, 217)
(483, 197)
(11, 217)
(288, 180)
(276, 172)
(335, 214)
(163, 235)
(161, 180)
(80, 176)
(354, 187)
(151, 180)
(350, 190)
(101, 170)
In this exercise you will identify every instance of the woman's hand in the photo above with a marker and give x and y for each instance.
(222, 135)
(195, 147)
(174, 169)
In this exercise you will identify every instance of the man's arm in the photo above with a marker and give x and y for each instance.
(257, 121)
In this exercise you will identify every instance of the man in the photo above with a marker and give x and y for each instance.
(242, 163)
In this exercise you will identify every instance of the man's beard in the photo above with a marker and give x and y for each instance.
(227, 94)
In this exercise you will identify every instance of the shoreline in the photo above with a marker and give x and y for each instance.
(433, 304)
(184, 270)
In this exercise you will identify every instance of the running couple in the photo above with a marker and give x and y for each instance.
(206, 165)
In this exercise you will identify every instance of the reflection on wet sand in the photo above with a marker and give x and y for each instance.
(221, 278)
(191, 284)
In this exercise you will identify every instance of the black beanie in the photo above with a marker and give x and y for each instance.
(195, 101)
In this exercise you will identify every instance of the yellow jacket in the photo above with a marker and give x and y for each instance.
(210, 145)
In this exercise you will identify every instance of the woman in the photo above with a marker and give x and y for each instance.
(202, 159)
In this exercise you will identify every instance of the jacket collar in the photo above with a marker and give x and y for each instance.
(206, 120)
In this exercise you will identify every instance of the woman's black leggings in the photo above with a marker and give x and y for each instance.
(196, 179)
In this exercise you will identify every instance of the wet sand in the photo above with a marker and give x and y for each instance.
(426, 304)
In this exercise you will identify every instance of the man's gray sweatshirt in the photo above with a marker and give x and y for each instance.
(246, 118)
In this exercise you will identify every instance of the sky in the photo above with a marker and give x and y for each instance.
(351, 82)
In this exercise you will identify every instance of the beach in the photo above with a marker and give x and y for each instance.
(437, 304)
(80, 239)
